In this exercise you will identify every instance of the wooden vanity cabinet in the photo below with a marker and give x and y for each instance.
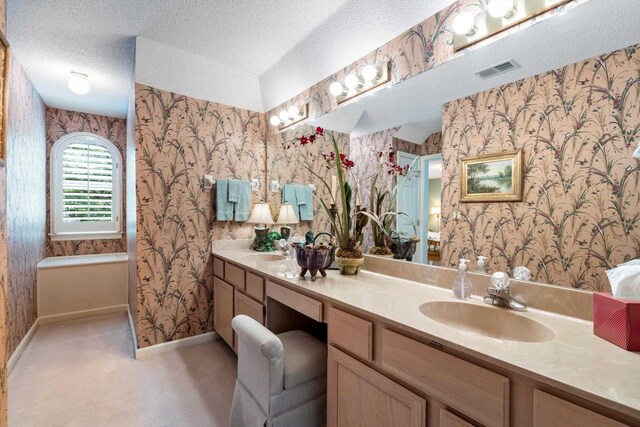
(358, 396)
(235, 291)
(223, 309)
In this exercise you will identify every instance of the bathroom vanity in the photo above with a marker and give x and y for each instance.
(404, 353)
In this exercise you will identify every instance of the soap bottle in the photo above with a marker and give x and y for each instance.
(482, 264)
(462, 284)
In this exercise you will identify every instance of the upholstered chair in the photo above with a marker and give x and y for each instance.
(282, 379)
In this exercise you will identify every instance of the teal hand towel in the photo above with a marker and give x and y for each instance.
(306, 208)
(224, 209)
(244, 201)
(289, 195)
(234, 190)
(301, 196)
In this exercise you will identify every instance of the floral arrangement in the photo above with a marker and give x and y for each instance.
(347, 225)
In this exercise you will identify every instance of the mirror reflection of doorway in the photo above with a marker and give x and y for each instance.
(430, 208)
(419, 198)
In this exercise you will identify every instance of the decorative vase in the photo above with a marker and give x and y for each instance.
(314, 258)
(349, 266)
(402, 248)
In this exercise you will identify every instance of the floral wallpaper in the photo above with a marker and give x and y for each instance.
(577, 127)
(26, 204)
(419, 49)
(4, 272)
(61, 123)
(286, 160)
(363, 151)
(180, 139)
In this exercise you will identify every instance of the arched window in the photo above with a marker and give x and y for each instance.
(86, 188)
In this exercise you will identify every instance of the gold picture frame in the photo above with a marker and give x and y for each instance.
(4, 96)
(492, 178)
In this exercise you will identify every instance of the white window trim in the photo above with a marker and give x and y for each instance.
(84, 231)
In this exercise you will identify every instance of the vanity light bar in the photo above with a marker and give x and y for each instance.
(355, 84)
(500, 15)
(289, 117)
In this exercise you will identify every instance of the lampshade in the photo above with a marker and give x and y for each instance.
(435, 211)
(261, 214)
(287, 215)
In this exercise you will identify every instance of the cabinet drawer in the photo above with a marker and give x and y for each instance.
(447, 419)
(351, 333)
(477, 392)
(301, 303)
(255, 287)
(550, 411)
(248, 307)
(218, 267)
(234, 276)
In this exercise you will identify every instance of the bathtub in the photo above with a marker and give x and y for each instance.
(71, 284)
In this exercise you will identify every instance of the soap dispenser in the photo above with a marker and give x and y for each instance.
(482, 264)
(462, 284)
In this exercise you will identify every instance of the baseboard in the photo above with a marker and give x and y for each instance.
(54, 318)
(145, 352)
(24, 342)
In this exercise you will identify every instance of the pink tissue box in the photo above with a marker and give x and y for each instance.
(617, 320)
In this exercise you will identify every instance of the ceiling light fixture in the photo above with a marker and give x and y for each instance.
(501, 8)
(464, 24)
(495, 17)
(289, 117)
(337, 89)
(355, 84)
(352, 82)
(370, 73)
(79, 83)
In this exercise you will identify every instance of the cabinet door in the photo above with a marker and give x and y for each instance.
(551, 411)
(223, 309)
(358, 396)
(247, 306)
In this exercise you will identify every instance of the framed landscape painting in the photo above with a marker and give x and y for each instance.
(492, 178)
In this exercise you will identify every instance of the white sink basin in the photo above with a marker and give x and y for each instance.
(492, 322)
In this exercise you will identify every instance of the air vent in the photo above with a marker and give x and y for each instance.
(500, 68)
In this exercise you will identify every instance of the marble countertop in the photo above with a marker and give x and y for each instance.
(576, 361)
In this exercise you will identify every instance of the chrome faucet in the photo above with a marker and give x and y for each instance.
(500, 295)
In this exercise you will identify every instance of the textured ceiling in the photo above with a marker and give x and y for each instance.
(53, 37)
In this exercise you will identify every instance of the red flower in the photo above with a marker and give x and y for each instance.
(348, 164)
(312, 138)
(319, 131)
(304, 140)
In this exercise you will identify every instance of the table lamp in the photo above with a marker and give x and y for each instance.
(286, 216)
(261, 214)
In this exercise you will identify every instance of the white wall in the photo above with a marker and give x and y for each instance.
(176, 70)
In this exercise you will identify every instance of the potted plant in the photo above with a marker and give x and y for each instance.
(347, 225)
(382, 202)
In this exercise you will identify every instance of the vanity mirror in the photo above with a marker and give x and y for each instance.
(573, 116)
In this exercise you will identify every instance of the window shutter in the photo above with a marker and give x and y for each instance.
(87, 183)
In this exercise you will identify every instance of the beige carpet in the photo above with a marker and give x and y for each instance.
(82, 373)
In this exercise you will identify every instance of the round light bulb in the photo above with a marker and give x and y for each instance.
(369, 73)
(464, 23)
(336, 89)
(284, 116)
(501, 8)
(351, 81)
(78, 83)
(274, 120)
(293, 111)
